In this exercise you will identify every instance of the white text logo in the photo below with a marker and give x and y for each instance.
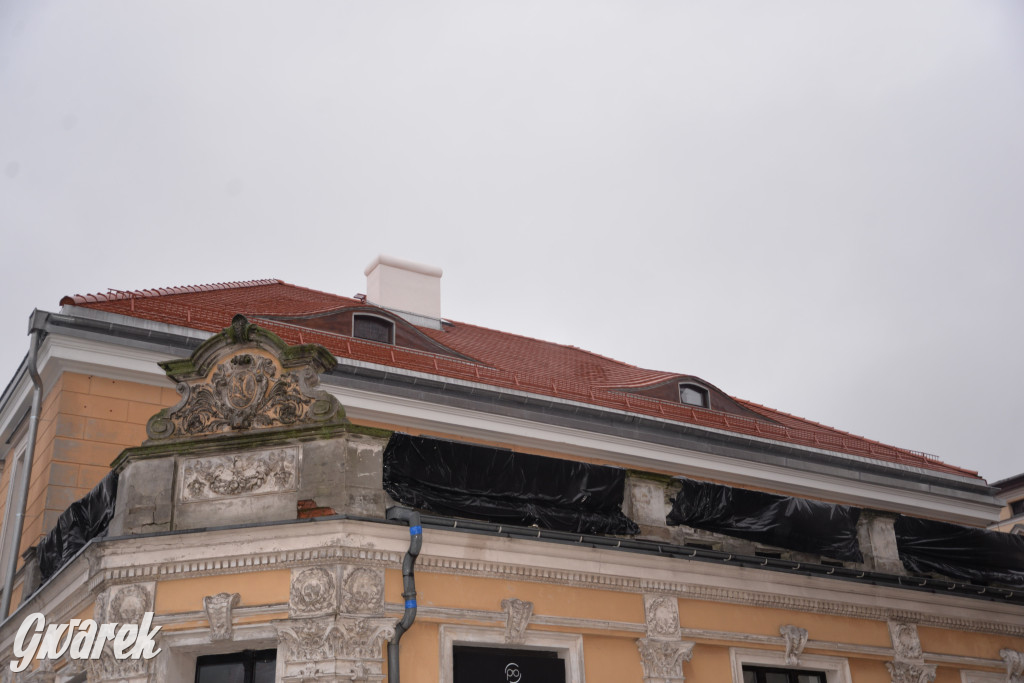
(82, 639)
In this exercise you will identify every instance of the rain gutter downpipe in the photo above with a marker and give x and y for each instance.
(35, 327)
(408, 584)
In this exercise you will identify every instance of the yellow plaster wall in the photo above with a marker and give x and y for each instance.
(445, 590)
(952, 642)
(420, 653)
(716, 616)
(708, 663)
(255, 588)
(611, 660)
(945, 674)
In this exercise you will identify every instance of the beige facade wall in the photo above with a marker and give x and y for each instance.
(86, 421)
(609, 649)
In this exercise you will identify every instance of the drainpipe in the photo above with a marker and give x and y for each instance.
(408, 584)
(35, 328)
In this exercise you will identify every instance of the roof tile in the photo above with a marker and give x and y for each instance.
(504, 359)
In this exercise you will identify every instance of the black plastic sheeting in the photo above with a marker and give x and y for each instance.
(84, 520)
(960, 552)
(497, 485)
(799, 524)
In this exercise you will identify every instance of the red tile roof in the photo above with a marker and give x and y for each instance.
(503, 360)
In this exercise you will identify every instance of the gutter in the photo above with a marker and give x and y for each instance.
(36, 325)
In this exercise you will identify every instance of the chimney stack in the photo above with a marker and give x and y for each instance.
(405, 287)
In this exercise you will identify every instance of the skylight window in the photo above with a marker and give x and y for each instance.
(693, 395)
(373, 328)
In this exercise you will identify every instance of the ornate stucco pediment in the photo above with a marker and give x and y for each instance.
(246, 378)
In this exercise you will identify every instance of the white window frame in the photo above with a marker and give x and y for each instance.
(837, 669)
(177, 661)
(16, 463)
(568, 646)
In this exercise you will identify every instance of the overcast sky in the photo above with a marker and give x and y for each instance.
(818, 206)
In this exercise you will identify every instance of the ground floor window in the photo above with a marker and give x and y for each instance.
(248, 666)
(501, 665)
(765, 674)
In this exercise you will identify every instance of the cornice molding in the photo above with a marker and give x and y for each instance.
(537, 572)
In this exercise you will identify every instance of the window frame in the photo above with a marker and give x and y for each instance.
(177, 661)
(15, 463)
(836, 669)
(702, 390)
(246, 657)
(568, 647)
(368, 316)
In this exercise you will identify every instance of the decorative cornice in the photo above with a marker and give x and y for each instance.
(269, 561)
(691, 591)
(463, 567)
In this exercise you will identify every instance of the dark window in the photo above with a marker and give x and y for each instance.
(1017, 507)
(765, 674)
(249, 666)
(373, 328)
(693, 395)
(485, 664)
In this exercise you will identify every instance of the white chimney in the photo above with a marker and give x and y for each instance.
(406, 288)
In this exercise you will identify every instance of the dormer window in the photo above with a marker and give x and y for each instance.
(373, 328)
(693, 395)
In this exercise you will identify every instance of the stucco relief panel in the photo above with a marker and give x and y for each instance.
(242, 474)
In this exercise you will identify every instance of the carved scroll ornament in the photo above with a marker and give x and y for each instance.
(218, 612)
(517, 618)
(796, 640)
(1014, 665)
(232, 383)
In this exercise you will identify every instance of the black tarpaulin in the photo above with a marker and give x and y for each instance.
(799, 524)
(960, 552)
(84, 520)
(497, 485)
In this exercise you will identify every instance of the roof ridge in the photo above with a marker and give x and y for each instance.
(118, 295)
(318, 291)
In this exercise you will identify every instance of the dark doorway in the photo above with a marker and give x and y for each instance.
(496, 665)
(766, 674)
(248, 666)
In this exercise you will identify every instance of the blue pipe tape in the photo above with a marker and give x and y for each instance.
(410, 604)
(415, 530)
